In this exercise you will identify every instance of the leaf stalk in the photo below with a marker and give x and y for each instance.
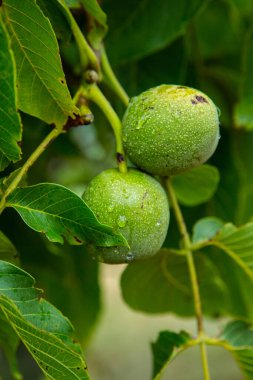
(30, 161)
(93, 93)
(186, 243)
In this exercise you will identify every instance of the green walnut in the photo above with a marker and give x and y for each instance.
(170, 129)
(135, 205)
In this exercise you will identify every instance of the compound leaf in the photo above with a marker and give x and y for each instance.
(58, 212)
(196, 186)
(42, 89)
(10, 124)
(45, 332)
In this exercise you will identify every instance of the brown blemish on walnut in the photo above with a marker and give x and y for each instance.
(193, 101)
(201, 99)
(143, 198)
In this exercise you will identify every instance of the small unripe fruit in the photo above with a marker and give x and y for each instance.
(135, 205)
(170, 129)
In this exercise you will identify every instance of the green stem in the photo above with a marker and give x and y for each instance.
(93, 93)
(186, 242)
(111, 79)
(30, 161)
(204, 360)
(87, 55)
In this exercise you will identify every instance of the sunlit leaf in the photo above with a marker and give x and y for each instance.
(10, 124)
(45, 332)
(59, 213)
(42, 89)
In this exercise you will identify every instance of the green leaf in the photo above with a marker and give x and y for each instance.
(245, 6)
(206, 228)
(71, 284)
(9, 342)
(165, 349)
(233, 199)
(244, 109)
(238, 337)
(214, 38)
(196, 186)
(242, 180)
(67, 274)
(10, 124)
(6, 181)
(7, 250)
(42, 89)
(4, 162)
(72, 3)
(59, 213)
(149, 26)
(162, 284)
(136, 77)
(238, 244)
(41, 327)
(238, 284)
(98, 25)
(52, 10)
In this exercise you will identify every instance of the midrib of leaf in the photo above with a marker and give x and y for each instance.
(171, 279)
(22, 333)
(10, 134)
(27, 57)
(233, 255)
(57, 216)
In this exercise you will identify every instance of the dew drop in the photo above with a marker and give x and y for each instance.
(141, 122)
(158, 224)
(129, 257)
(121, 221)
